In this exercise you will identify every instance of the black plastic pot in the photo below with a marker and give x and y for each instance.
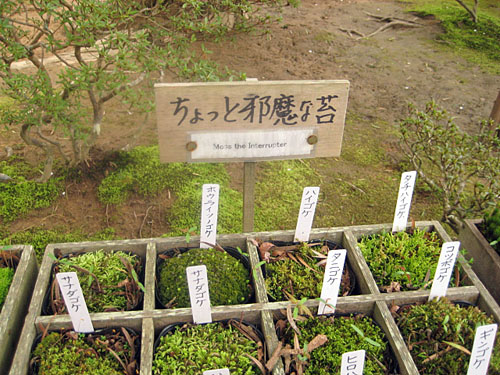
(181, 250)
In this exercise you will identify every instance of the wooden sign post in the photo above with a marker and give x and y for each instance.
(250, 121)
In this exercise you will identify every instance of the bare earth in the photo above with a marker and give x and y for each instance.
(395, 66)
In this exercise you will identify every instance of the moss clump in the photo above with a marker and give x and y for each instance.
(6, 276)
(344, 333)
(491, 227)
(228, 279)
(287, 275)
(191, 349)
(20, 196)
(426, 327)
(117, 285)
(73, 354)
(402, 258)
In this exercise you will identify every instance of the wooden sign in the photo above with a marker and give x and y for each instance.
(250, 121)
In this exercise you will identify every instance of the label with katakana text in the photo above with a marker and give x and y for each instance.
(222, 371)
(306, 213)
(445, 265)
(198, 294)
(353, 363)
(404, 201)
(75, 302)
(331, 281)
(482, 348)
(209, 210)
(253, 145)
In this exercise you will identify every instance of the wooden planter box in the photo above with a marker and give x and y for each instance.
(150, 320)
(17, 302)
(486, 261)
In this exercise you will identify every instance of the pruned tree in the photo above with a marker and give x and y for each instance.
(79, 54)
(472, 10)
(461, 169)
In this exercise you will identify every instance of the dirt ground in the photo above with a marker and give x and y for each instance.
(318, 40)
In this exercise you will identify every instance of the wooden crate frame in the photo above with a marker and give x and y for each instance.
(486, 261)
(17, 301)
(150, 320)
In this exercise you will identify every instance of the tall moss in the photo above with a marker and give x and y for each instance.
(6, 276)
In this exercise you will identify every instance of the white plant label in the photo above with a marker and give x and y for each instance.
(251, 144)
(331, 281)
(353, 363)
(209, 211)
(445, 266)
(222, 371)
(198, 294)
(481, 349)
(406, 187)
(75, 301)
(306, 213)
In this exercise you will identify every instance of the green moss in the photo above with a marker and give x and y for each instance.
(6, 276)
(228, 279)
(425, 328)
(73, 354)
(477, 42)
(39, 238)
(491, 226)
(116, 287)
(23, 195)
(343, 335)
(402, 257)
(192, 349)
(296, 279)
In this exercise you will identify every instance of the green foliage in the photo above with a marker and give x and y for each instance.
(228, 279)
(345, 334)
(491, 227)
(73, 354)
(478, 42)
(278, 192)
(402, 258)
(39, 238)
(22, 195)
(426, 327)
(110, 291)
(140, 171)
(286, 275)
(6, 276)
(192, 349)
(461, 169)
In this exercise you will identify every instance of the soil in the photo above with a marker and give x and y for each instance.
(395, 66)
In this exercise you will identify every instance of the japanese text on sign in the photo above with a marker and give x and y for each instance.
(482, 348)
(209, 211)
(75, 302)
(404, 201)
(306, 213)
(445, 265)
(222, 371)
(331, 281)
(283, 109)
(198, 294)
(353, 363)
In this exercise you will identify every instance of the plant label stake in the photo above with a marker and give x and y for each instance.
(352, 363)
(221, 371)
(75, 302)
(481, 349)
(209, 211)
(445, 265)
(406, 187)
(198, 294)
(306, 213)
(331, 281)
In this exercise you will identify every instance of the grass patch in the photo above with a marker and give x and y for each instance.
(478, 43)
(39, 238)
(22, 195)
